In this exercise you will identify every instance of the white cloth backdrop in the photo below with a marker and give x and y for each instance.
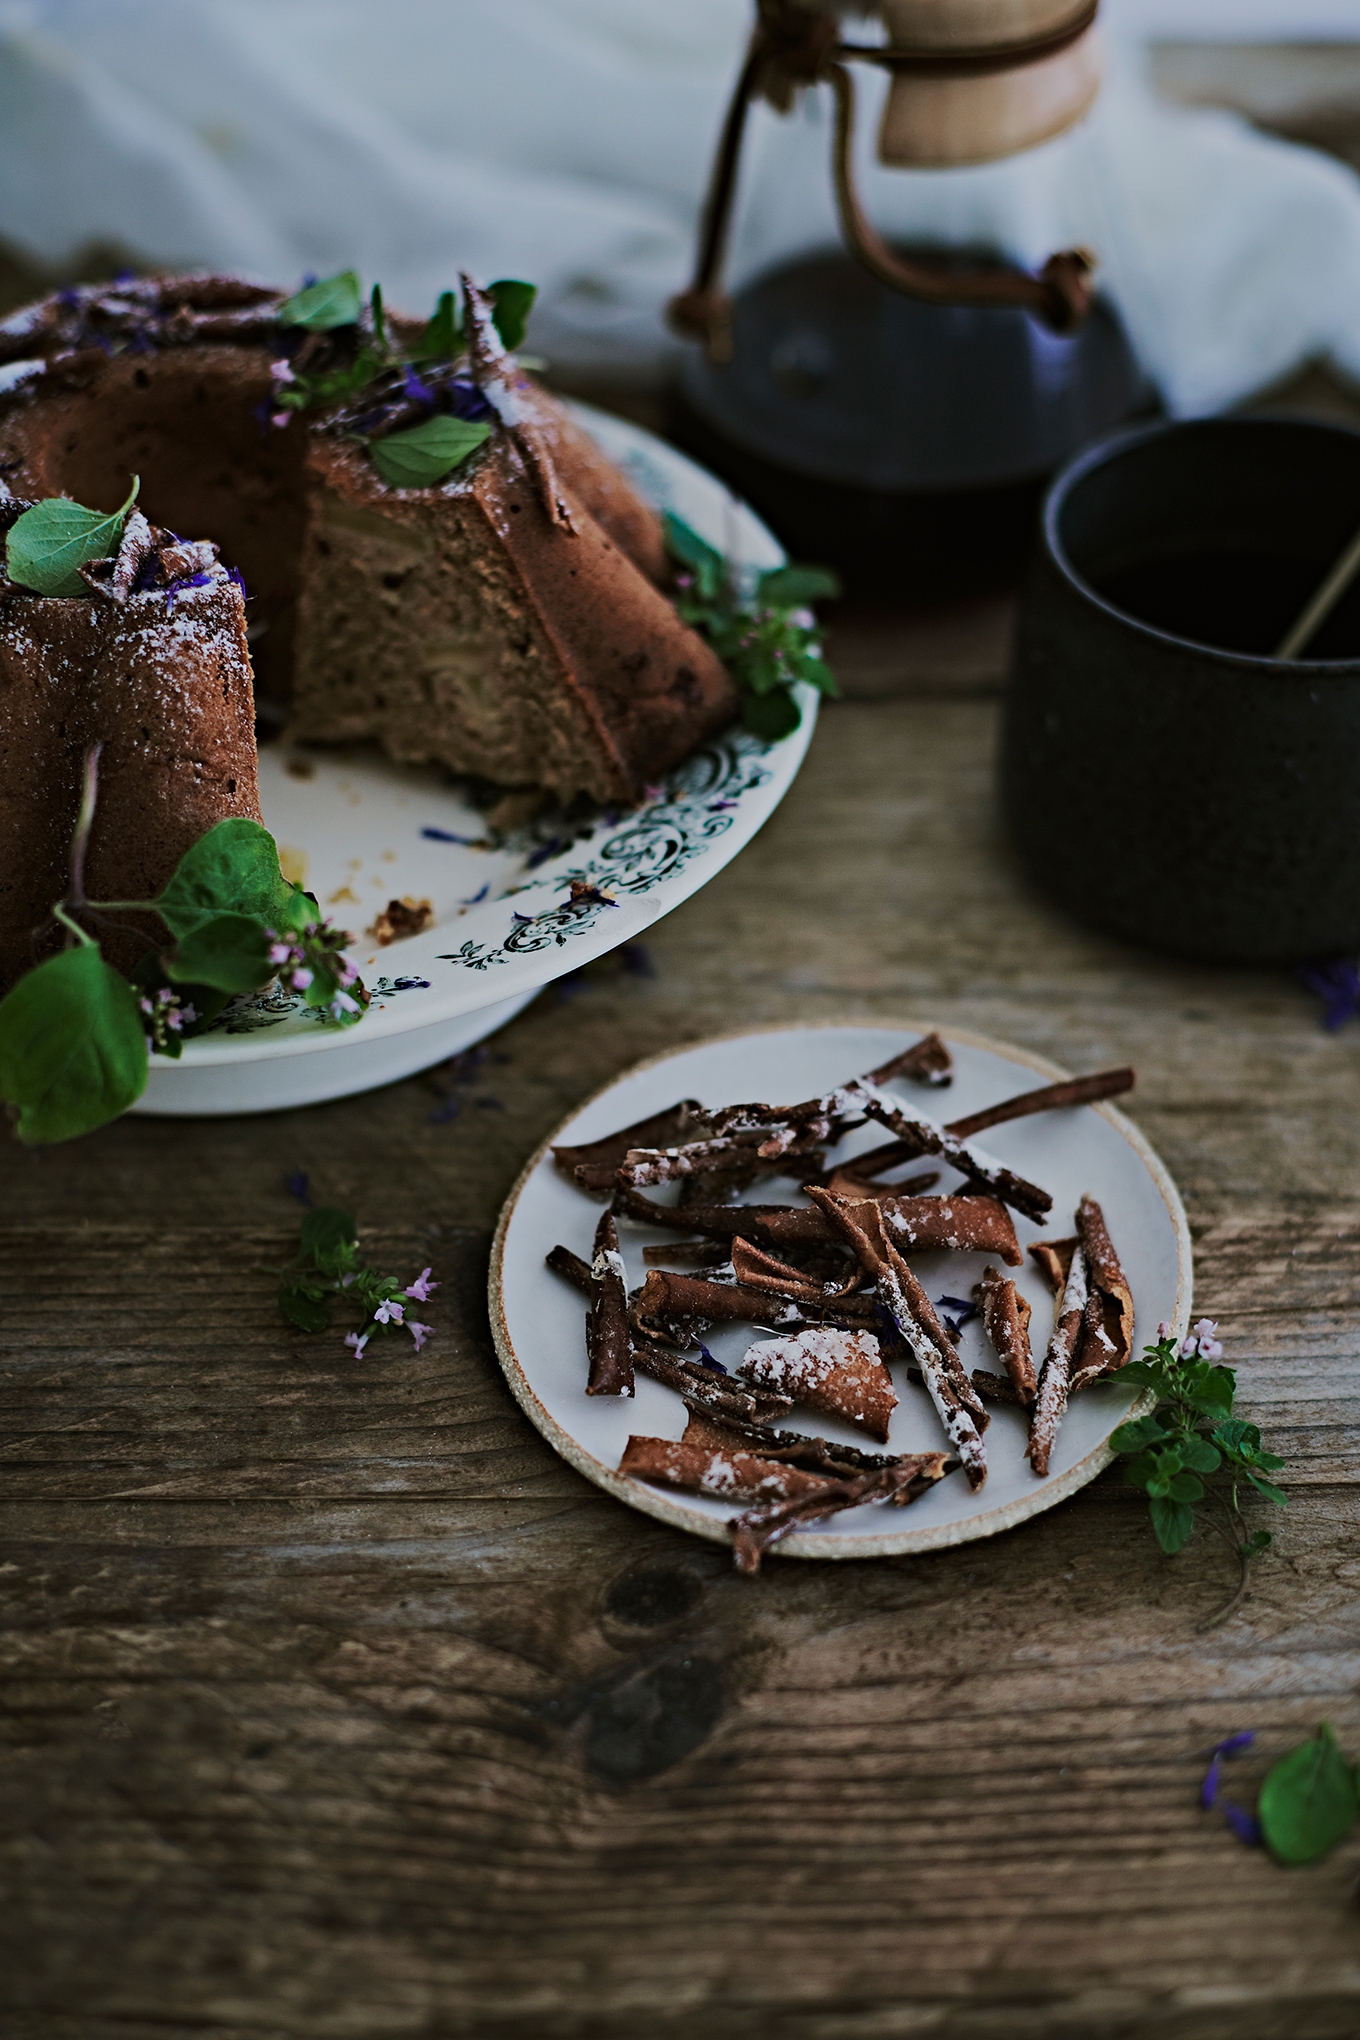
(567, 141)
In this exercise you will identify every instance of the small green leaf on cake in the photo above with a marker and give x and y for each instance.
(73, 1052)
(323, 306)
(513, 302)
(794, 587)
(427, 453)
(49, 542)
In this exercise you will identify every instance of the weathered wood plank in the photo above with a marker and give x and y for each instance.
(368, 1760)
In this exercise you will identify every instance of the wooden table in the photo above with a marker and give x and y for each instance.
(337, 1705)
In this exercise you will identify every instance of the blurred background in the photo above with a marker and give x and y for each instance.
(569, 141)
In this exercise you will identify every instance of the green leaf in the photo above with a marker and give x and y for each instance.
(311, 1313)
(48, 543)
(817, 674)
(233, 869)
(1198, 1453)
(1173, 1522)
(423, 456)
(375, 306)
(230, 952)
(684, 544)
(1308, 1800)
(324, 1230)
(770, 716)
(512, 301)
(1271, 1493)
(73, 1052)
(1209, 1389)
(1142, 1374)
(1134, 1436)
(443, 337)
(1185, 1487)
(1234, 1433)
(798, 587)
(1259, 1540)
(323, 306)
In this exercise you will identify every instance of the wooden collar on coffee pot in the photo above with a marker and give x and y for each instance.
(972, 81)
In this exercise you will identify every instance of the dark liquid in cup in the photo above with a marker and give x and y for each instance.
(1237, 599)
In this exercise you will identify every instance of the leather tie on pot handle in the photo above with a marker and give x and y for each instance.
(793, 46)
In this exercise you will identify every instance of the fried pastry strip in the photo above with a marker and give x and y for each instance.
(1055, 1376)
(906, 1480)
(608, 1344)
(1005, 1319)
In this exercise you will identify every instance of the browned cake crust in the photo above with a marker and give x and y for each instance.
(166, 691)
(458, 623)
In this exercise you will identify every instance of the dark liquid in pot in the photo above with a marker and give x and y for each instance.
(1238, 600)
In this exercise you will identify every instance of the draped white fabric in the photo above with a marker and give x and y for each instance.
(568, 141)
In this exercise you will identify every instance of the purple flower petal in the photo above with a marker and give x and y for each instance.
(415, 388)
(1208, 1791)
(296, 1186)
(706, 1360)
(447, 836)
(1243, 1824)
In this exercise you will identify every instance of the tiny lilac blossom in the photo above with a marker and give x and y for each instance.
(422, 1286)
(358, 1340)
(420, 1333)
(389, 1312)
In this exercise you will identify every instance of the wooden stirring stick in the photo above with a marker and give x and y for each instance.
(1311, 619)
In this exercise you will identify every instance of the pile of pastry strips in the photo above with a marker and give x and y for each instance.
(829, 1281)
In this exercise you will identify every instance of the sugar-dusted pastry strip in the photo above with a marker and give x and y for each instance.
(727, 1471)
(980, 1168)
(845, 1182)
(668, 1295)
(1107, 1341)
(1048, 1098)
(721, 1394)
(967, 1225)
(1005, 1319)
(927, 1061)
(906, 1480)
(815, 1455)
(841, 1373)
(956, 1401)
(759, 1270)
(608, 1341)
(998, 1388)
(1055, 1375)
(592, 1167)
(1054, 1258)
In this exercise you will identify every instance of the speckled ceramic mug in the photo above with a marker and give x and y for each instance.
(1162, 773)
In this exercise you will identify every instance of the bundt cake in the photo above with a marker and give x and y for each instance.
(436, 556)
(149, 662)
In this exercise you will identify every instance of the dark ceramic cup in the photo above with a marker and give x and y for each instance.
(1162, 773)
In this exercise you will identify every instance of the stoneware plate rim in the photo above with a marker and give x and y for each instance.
(829, 1544)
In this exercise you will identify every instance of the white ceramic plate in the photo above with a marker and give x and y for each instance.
(539, 1322)
(359, 830)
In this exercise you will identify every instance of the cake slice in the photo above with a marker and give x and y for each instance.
(151, 664)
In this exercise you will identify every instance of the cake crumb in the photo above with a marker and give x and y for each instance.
(400, 918)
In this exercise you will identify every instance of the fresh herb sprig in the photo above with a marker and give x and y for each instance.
(766, 636)
(1192, 1438)
(76, 1036)
(48, 543)
(328, 1266)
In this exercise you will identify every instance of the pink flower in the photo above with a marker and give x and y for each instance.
(281, 372)
(280, 418)
(358, 1340)
(420, 1333)
(389, 1312)
(422, 1286)
(1163, 1330)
